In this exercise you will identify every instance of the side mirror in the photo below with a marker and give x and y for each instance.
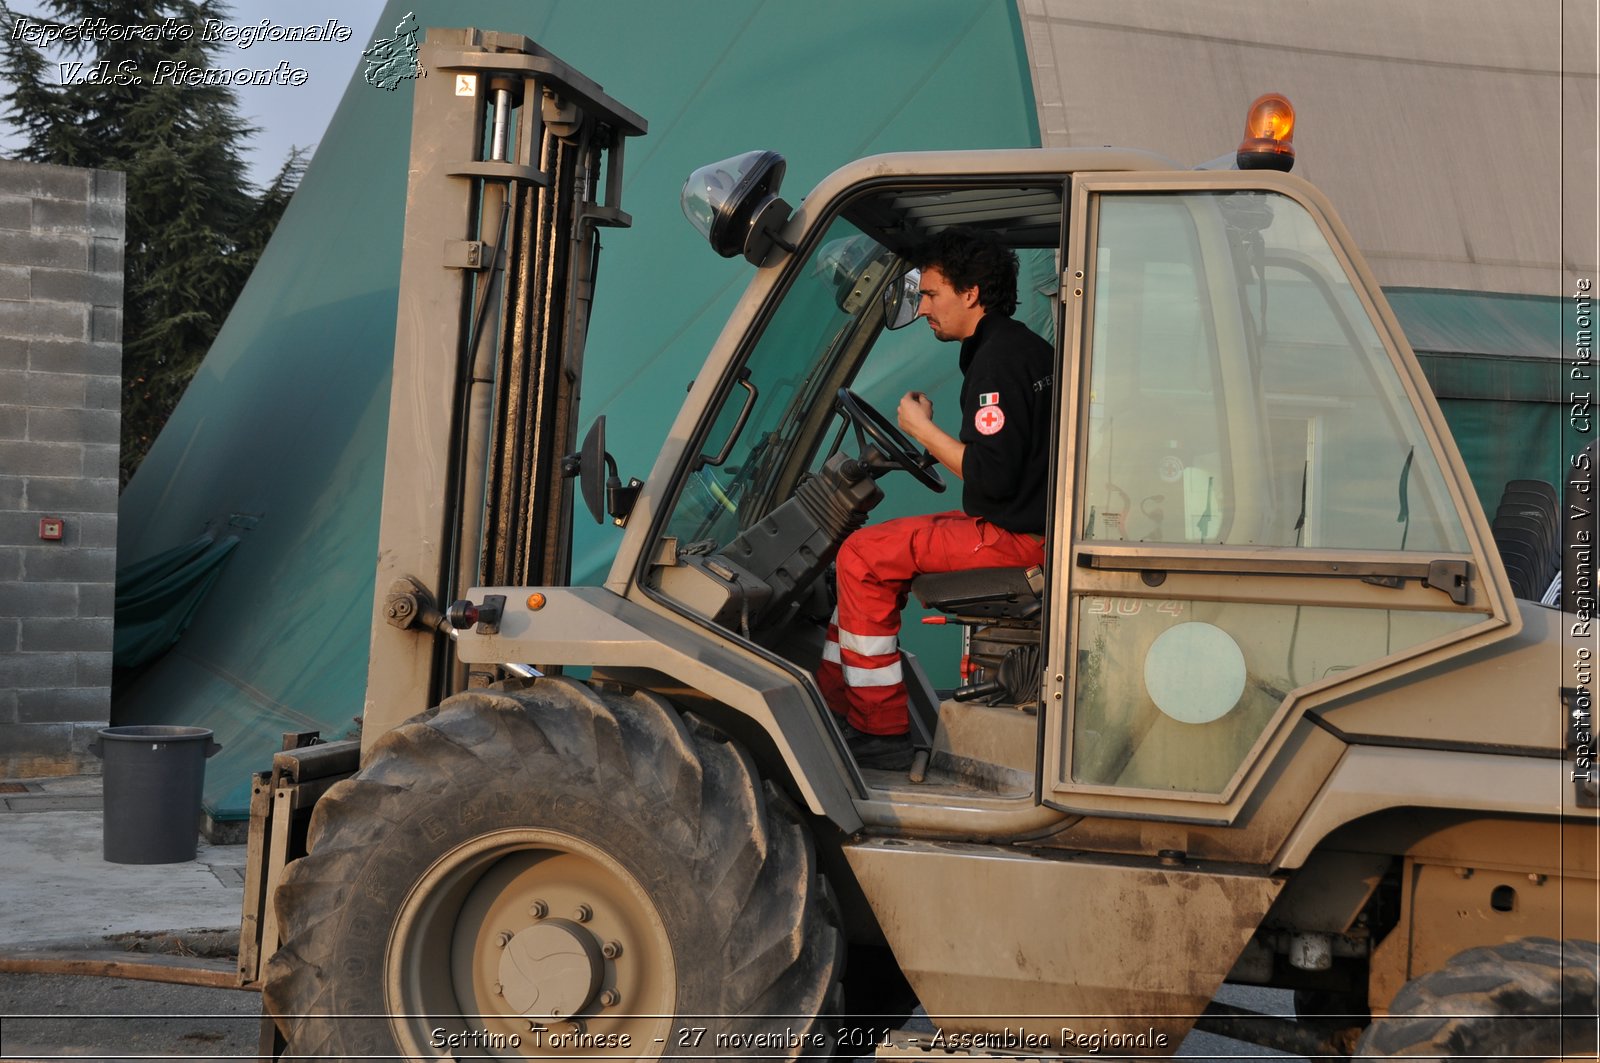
(602, 491)
(735, 206)
(900, 299)
(591, 456)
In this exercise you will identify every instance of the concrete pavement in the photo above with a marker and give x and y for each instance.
(61, 901)
(56, 890)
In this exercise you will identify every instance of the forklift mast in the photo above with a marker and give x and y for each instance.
(516, 163)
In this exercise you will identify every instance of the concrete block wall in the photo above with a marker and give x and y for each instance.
(61, 245)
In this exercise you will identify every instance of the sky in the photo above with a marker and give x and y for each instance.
(286, 115)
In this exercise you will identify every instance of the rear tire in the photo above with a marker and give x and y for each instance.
(1532, 999)
(588, 863)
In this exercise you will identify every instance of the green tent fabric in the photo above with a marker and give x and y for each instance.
(286, 419)
(158, 597)
(1493, 324)
(1494, 362)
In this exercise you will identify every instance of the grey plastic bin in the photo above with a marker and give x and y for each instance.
(153, 780)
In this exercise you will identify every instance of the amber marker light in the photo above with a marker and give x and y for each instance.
(1268, 135)
(536, 601)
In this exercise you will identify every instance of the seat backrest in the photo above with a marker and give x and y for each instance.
(1527, 532)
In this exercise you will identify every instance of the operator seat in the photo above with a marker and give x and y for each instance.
(1001, 607)
(983, 594)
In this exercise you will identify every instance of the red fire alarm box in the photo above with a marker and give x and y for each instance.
(51, 527)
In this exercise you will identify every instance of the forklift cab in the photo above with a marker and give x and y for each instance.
(1254, 506)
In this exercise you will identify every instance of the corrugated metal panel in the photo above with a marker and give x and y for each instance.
(1456, 137)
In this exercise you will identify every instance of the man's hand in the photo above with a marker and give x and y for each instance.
(915, 415)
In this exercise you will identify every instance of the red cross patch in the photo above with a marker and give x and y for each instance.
(989, 420)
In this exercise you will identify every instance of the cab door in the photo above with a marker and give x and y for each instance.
(1265, 509)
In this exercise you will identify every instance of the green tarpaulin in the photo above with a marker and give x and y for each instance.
(1495, 364)
(158, 597)
(283, 427)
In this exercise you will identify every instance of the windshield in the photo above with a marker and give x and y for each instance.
(794, 366)
(828, 332)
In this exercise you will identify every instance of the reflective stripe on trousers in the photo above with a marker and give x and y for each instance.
(861, 674)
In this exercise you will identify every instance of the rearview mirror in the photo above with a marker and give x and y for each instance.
(901, 298)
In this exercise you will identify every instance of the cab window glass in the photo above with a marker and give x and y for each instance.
(786, 373)
(1171, 696)
(1239, 393)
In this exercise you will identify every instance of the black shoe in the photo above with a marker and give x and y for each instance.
(887, 752)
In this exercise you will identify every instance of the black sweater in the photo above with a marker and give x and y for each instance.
(1005, 423)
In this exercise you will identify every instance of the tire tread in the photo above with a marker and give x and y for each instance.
(1484, 1004)
(669, 778)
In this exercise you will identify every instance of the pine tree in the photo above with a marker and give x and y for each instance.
(195, 226)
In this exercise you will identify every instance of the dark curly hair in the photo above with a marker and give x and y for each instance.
(969, 257)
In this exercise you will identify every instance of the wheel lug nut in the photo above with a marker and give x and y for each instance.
(576, 1026)
(504, 938)
(499, 990)
(583, 914)
(610, 998)
(538, 909)
(611, 950)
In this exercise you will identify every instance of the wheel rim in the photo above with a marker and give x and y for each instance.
(529, 943)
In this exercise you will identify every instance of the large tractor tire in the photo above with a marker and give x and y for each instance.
(555, 872)
(1529, 999)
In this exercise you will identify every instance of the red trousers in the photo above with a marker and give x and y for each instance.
(860, 673)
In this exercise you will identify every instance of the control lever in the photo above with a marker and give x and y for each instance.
(986, 689)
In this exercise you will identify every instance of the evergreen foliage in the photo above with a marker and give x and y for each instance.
(195, 225)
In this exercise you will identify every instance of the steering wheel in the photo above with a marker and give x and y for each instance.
(898, 452)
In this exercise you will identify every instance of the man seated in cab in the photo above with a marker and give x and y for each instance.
(968, 292)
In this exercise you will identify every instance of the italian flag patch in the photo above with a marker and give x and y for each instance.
(989, 398)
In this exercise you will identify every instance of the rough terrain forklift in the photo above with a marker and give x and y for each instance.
(1269, 714)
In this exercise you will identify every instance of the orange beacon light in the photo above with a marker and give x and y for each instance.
(1268, 135)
